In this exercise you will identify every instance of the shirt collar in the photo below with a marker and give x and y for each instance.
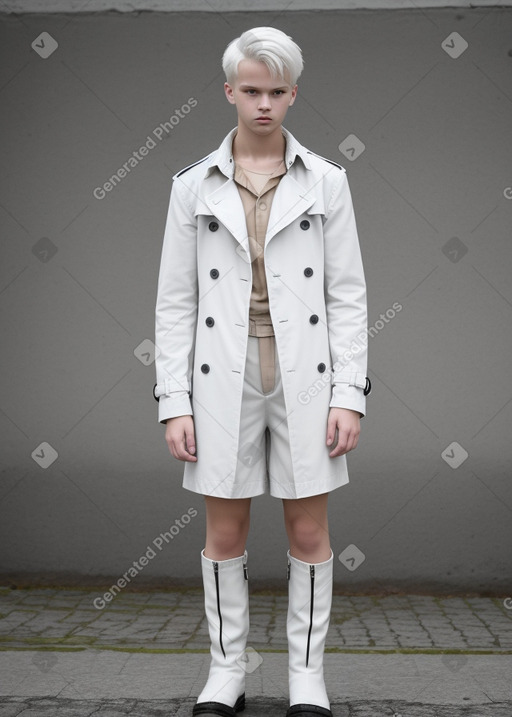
(222, 158)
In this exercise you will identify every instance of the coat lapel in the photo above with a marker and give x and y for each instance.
(225, 204)
(290, 201)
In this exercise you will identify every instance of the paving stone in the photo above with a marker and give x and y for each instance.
(137, 618)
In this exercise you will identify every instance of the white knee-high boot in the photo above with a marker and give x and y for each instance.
(309, 611)
(226, 600)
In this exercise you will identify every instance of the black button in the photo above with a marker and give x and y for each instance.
(214, 273)
(304, 224)
(368, 387)
(321, 367)
(313, 319)
(213, 226)
(155, 397)
(205, 368)
(308, 271)
(209, 321)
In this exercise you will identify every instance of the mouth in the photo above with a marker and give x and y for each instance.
(263, 119)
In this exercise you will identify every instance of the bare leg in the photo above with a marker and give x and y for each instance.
(227, 527)
(307, 527)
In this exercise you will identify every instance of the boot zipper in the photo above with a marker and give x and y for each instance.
(216, 573)
(246, 574)
(311, 606)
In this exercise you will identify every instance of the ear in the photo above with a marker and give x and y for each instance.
(228, 90)
(294, 95)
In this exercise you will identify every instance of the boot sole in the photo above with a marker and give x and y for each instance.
(218, 709)
(303, 710)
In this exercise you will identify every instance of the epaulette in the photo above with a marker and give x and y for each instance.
(325, 159)
(182, 171)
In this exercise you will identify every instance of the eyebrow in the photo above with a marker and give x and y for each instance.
(247, 85)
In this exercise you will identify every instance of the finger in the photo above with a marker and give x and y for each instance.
(339, 448)
(351, 440)
(177, 447)
(182, 451)
(331, 430)
(174, 447)
(342, 446)
(190, 441)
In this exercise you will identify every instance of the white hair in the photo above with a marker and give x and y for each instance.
(266, 44)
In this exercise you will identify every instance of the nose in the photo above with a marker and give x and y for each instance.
(264, 101)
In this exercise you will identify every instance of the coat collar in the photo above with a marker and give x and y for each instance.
(218, 195)
(223, 156)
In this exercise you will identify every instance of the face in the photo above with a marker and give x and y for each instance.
(261, 101)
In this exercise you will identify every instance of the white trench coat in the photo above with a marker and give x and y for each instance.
(317, 299)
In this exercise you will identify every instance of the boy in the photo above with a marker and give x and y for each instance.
(260, 310)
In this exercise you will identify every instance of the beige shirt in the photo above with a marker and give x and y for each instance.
(257, 192)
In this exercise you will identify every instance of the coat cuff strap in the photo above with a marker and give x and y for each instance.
(169, 386)
(354, 378)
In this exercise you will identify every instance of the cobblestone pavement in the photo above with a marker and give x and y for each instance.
(263, 707)
(73, 653)
(174, 620)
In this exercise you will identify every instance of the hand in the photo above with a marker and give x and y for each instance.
(347, 423)
(180, 437)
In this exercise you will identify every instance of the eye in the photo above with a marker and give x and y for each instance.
(279, 92)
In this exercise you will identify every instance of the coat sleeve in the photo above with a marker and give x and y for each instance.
(345, 297)
(176, 307)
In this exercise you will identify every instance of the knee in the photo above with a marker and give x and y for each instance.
(228, 537)
(306, 535)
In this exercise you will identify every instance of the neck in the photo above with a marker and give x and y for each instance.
(247, 145)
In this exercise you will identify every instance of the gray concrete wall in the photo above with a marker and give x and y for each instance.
(429, 502)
